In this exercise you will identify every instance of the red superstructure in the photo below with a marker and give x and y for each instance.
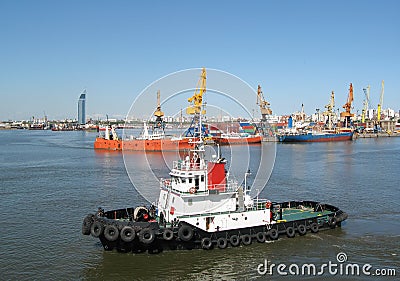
(216, 176)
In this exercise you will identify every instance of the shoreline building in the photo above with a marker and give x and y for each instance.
(82, 108)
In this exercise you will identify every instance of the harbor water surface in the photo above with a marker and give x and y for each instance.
(49, 181)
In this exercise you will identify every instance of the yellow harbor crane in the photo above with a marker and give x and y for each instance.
(329, 110)
(197, 99)
(263, 104)
(378, 115)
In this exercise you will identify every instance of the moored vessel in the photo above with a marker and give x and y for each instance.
(316, 137)
(145, 142)
(237, 138)
(157, 140)
(246, 133)
(327, 133)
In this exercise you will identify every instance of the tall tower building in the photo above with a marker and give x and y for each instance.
(82, 108)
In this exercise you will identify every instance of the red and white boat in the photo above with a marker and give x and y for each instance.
(237, 138)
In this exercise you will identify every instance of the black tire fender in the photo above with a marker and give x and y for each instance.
(168, 234)
(314, 227)
(96, 229)
(86, 225)
(234, 240)
(273, 234)
(222, 242)
(301, 229)
(290, 232)
(146, 236)
(185, 233)
(332, 222)
(206, 243)
(260, 237)
(111, 232)
(128, 234)
(246, 239)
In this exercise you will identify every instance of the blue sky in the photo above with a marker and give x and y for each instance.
(299, 51)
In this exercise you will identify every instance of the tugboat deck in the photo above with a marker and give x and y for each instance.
(293, 214)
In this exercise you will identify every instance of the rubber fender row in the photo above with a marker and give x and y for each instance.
(273, 234)
(127, 233)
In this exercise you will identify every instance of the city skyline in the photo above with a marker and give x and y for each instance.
(297, 51)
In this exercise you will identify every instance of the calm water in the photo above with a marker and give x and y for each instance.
(50, 180)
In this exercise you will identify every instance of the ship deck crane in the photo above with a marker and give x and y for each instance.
(346, 114)
(263, 104)
(378, 116)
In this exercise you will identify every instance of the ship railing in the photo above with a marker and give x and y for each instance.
(260, 204)
(186, 165)
(209, 213)
(167, 184)
(221, 187)
(232, 186)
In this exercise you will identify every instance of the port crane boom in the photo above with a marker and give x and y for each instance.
(329, 110)
(158, 113)
(346, 114)
(263, 104)
(366, 103)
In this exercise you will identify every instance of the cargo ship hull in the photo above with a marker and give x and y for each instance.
(317, 138)
(144, 145)
(233, 141)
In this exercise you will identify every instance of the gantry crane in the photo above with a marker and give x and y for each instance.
(378, 115)
(197, 99)
(263, 104)
(347, 107)
(329, 110)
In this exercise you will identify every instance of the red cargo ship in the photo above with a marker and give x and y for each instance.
(146, 142)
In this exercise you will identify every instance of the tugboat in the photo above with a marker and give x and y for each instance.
(200, 207)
